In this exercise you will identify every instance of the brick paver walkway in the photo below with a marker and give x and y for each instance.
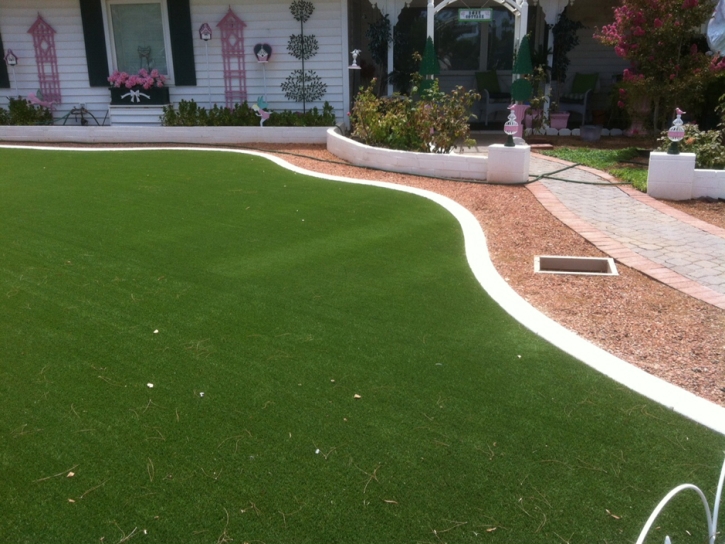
(635, 229)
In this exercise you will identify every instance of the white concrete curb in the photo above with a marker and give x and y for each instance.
(683, 402)
(164, 135)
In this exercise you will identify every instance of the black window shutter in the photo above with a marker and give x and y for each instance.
(94, 35)
(182, 42)
(4, 79)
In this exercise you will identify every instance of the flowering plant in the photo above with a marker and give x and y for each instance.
(144, 79)
(667, 66)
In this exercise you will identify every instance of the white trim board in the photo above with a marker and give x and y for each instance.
(671, 396)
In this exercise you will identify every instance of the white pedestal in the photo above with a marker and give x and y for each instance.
(508, 164)
(670, 177)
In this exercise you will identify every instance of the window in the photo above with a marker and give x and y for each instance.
(460, 45)
(500, 41)
(458, 42)
(139, 35)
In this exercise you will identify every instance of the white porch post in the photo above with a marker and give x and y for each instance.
(430, 20)
(552, 10)
(345, 62)
(392, 9)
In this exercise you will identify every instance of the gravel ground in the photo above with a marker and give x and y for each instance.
(646, 323)
(655, 327)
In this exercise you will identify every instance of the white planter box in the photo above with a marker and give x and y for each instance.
(406, 162)
(674, 177)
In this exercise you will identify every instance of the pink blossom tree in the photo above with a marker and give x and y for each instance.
(667, 68)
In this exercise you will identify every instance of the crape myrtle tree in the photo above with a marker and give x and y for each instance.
(669, 66)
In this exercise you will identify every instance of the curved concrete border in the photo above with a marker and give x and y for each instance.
(407, 162)
(165, 135)
(683, 402)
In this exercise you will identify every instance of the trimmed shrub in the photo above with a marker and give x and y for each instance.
(431, 122)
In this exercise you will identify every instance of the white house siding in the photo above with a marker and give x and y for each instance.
(270, 23)
(267, 22)
(16, 17)
(591, 55)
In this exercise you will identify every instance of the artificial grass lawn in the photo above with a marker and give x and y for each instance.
(615, 161)
(280, 297)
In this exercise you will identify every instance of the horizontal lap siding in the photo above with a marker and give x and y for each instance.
(269, 23)
(16, 17)
(591, 55)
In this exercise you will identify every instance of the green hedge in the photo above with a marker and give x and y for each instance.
(190, 114)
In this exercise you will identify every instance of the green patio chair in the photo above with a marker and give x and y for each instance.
(577, 99)
(492, 98)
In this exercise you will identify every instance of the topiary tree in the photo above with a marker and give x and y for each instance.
(429, 66)
(667, 67)
(303, 86)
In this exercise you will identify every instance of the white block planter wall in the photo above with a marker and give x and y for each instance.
(674, 177)
(406, 162)
(508, 164)
(709, 183)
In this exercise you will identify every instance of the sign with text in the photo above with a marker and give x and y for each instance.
(475, 14)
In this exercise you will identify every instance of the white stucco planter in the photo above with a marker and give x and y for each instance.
(508, 164)
(674, 177)
(407, 162)
(176, 135)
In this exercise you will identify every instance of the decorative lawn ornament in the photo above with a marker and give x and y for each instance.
(12, 60)
(355, 54)
(259, 108)
(46, 59)
(301, 86)
(263, 52)
(205, 36)
(676, 133)
(235, 73)
(205, 32)
(511, 127)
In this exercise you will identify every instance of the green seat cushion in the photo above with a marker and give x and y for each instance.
(573, 98)
(488, 80)
(584, 82)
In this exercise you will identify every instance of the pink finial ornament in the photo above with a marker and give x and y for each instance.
(676, 133)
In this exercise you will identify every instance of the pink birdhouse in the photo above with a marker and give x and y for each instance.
(205, 32)
(10, 58)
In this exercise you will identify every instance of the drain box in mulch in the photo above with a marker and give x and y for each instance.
(591, 266)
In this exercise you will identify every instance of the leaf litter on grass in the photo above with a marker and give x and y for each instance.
(393, 268)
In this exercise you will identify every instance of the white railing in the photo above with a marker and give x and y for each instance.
(711, 516)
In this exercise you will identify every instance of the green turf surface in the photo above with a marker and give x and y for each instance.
(280, 297)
